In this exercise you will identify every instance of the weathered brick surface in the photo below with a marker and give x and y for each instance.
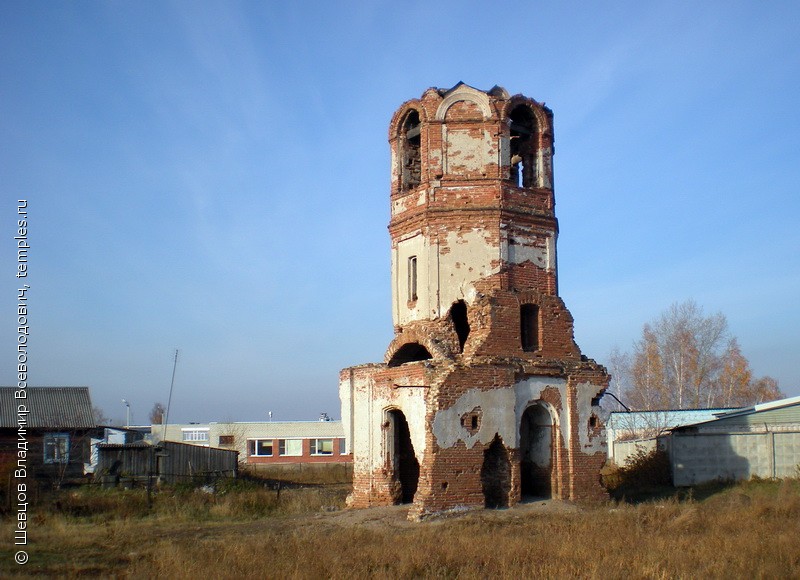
(472, 205)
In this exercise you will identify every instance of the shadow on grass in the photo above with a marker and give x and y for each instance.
(646, 477)
(654, 493)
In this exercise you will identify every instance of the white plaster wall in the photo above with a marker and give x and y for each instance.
(525, 249)
(368, 415)
(540, 442)
(502, 411)
(411, 401)
(418, 246)
(545, 168)
(443, 277)
(468, 259)
(496, 418)
(359, 388)
(467, 154)
(415, 198)
(346, 399)
(587, 392)
(394, 168)
(530, 390)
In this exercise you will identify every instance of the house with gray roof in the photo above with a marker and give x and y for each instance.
(46, 431)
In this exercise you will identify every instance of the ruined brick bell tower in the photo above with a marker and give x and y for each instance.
(484, 397)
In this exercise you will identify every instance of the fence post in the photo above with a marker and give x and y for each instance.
(773, 469)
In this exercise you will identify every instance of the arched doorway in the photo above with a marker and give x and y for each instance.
(401, 458)
(496, 474)
(536, 448)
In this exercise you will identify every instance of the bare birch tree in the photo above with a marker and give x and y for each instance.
(687, 360)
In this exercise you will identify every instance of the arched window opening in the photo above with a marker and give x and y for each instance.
(410, 155)
(410, 352)
(401, 459)
(523, 147)
(458, 312)
(529, 327)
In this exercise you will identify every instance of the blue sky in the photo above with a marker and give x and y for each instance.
(214, 176)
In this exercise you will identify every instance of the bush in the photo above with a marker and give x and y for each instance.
(643, 471)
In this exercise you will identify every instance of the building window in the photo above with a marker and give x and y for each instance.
(290, 447)
(322, 447)
(412, 278)
(342, 446)
(260, 447)
(529, 327)
(195, 435)
(472, 421)
(226, 439)
(56, 448)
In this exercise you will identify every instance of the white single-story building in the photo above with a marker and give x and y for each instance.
(625, 431)
(758, 441)
(262, 443)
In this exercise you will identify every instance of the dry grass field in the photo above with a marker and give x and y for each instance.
(245, 531)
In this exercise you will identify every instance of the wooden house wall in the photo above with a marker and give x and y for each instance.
(172, 462)
(180, 461)
(79, 453)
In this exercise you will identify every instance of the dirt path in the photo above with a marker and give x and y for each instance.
(397, 515)
(382, 517)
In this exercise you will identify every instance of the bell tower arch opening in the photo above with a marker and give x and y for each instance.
(537, 452)
(523, 147)
(410, 151)
(400, 458)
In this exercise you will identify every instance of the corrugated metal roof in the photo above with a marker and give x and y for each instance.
(135, 444)
(49, 408)
(761, 407)
(785, 411)
(663, 419)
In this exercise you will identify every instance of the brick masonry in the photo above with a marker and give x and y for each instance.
(483, 393)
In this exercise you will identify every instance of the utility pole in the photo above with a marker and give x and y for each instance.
(169, 401)
(127, 413)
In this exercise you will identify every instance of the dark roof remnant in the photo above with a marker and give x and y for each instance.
(48, 408)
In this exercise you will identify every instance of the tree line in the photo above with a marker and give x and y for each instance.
(687, 360)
